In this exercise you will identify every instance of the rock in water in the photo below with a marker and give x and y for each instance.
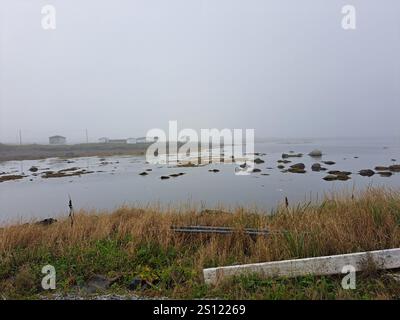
(342, 177)
(33, 169)
(299, 166)
(329, 163)
(381, 168)
(342, 173)
(316, 167)
(315, 153)
(296, 170)
(258, 161)
(330, 177)
(174, 175)
(385, 173)
(366, 173)
(285, 155)
(395, 168)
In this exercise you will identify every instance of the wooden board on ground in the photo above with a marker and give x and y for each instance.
(219, 230)
(327, 265)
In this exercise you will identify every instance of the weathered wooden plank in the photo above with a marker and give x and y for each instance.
(383, 259)
(221, 230)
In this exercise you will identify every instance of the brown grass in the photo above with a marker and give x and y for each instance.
(338, 225)
(370, 221)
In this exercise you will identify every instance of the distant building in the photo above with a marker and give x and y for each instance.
(117, 141)
(57, 140)
(141, 140)
(131, 140)
(146, 140)
(104, 140)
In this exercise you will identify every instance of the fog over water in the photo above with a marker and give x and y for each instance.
(119, 68)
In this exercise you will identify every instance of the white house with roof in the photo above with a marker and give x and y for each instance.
(57, 140)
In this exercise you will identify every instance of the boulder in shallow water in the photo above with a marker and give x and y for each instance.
(338, 172)
(329, 163)
(174, 175)
(296, 170)
(315, 153)
(316, 167)
(299, 166)
(385, 173)
(366, 172)
(330, 177)
(342, 177)
(381, 168)
(292, 155)
(395, 168)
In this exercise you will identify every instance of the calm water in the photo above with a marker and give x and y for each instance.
(119, 183)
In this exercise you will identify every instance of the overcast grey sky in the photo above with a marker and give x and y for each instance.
(121, 67)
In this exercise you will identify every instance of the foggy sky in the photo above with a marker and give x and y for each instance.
(121, 67)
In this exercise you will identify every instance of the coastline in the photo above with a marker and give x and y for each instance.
(41, 151)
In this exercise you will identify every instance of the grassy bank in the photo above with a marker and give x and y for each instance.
(133, 242)
(41, 151)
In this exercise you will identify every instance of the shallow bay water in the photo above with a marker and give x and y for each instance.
(115, 181)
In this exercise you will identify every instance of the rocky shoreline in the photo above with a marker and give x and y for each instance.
(285, 165)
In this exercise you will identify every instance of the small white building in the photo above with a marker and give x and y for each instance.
(104, 140)
(131, 140)
(118, 141)
(141, 140)
(146, 140)
(57, 140)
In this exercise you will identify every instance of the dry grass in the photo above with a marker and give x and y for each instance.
(132, 241)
